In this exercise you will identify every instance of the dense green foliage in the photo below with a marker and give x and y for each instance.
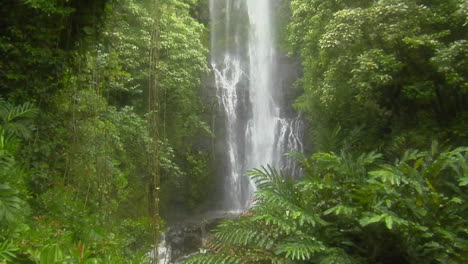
(354, 210)
(388, 73)
(77, 133)
(74, 174)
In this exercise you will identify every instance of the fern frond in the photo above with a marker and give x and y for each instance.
(275, 188)
(280, 221)
(411, 155)
(19, 128)
(26, 110)
(367, 159)
(7, 163)
(340, 210)
(224, 253)
(10, 203)
(7, 250)
(269, 178)
(300, 249)
(243, 233)
(389, 219)
(16, 119)
(330, 160)
(214, 259)
(389, 174)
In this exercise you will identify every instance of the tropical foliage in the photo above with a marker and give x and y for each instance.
(80, 146)
(387, 73)
(354, 210)
(75, 142)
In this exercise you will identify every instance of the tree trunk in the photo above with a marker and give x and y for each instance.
(153, 123)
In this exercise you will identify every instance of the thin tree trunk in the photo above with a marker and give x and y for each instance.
(153, 109)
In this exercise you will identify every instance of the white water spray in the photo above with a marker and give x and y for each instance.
(245, 62)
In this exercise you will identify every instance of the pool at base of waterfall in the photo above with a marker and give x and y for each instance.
(188, 237)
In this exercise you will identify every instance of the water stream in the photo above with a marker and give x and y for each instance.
(245, 60)
(259, 126)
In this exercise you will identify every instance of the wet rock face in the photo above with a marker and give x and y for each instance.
(184, 240)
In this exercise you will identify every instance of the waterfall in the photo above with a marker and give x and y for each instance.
(245, 59)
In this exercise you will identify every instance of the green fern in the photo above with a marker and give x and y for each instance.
(353, 210)
(16, 119)
(215, 259)
(300, 248)
(274, 187)
(10, 203)
(7, 251)
(244, 232)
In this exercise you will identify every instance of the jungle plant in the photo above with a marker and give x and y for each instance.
(16, 119)
(15, 123)
(353, 210)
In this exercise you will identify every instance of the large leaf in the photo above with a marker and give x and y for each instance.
(10, 203)
(51, 255)
(16, 119)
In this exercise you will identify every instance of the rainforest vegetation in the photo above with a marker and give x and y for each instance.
(385, 93)
(105, 128)
(98, 127)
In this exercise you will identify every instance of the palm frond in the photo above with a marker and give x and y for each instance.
(16, 119)
(26, 110)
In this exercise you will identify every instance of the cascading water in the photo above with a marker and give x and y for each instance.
(250, 86)
(244, 59)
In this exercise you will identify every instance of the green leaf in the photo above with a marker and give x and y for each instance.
(340, 210)
(463, 181)
(370, 220)
(10, 203)
(51, 255)
(389, 221)
(7, 251)
(302, 249)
